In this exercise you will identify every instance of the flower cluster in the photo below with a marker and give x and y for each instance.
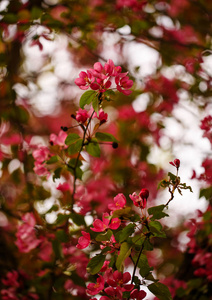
(100, 78)
(206, 125)
(108, 222)
(27, 239)
(199, 244)
(26, 234)
(41, 154)
(14, 287)
(82, 115)
(113, 285)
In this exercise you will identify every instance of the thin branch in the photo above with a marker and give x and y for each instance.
(77, 160)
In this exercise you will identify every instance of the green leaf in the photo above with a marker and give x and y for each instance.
(125, 251)
(125, 233)
(77, 219)
(74, 162)
(185, 187)
(95, 264)
(57, 173)
(74, 148)
(157, 229)
(10, 18)
(77, 280)
(95, 105)
(57, 248)
(160, 290)
(62, 236)
(143, 265)
(147, 245)
(36, 12)
(87, 98)
(163, 183)
(52, 160)
(93, 149)
(105, 137)
(108, 94)
(79, 173)
(157, 212)
(72, 138)
(138, 240)
(104, 236)
(172, 176)
(124, 213)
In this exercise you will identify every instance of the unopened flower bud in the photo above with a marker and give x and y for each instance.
(144, 194)
(177, 163)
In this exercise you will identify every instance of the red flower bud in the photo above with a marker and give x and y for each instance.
(177, 163)
(144, 194)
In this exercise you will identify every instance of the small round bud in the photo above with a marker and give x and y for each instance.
(64, 128)
(144, 194)
(115, 145)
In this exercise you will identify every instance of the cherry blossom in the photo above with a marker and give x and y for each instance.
(95, 288)
(85, 79)
(100, 226)
(100, 78)
(82, 115)
(120, 280)
(138, 295)
(119, 202)
(84, 240)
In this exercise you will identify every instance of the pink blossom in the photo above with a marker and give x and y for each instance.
(95, 288)
(100, 78)
(114, 293)
(84, 80)
(84, 240)
(15, 287)
(64, 187)
(100, 226)
(41, 154)
(105, 266)
(9, 294)
(138, 295)
(206, 125)
(13, 139)
(119, 202)
(26, 234)
(120, 280)
(58, 139)
(11, 279)
(138, 201)
(41, 170)
(82, 115)
(123, 84)
(45, 250)
(105, 72)
(102, 117)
